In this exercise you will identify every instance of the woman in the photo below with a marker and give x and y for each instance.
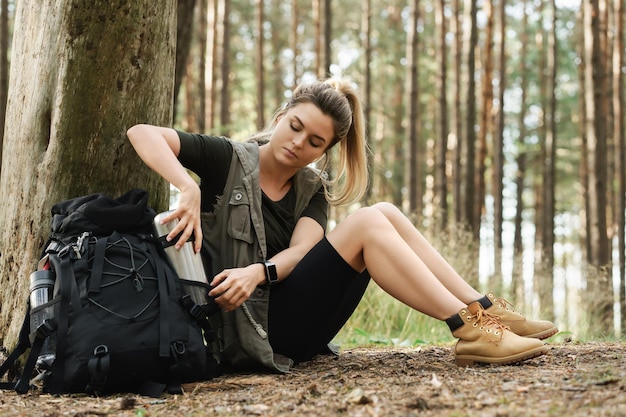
(286, 287)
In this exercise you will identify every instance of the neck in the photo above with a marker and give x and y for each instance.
(275, 179)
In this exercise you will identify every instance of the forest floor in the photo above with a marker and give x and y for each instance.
(574, 379)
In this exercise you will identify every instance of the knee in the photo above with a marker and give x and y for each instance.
(388, 209)
(367, 217)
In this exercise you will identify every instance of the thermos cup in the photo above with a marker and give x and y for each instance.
(187, 263)
(41, 293)
(41, 287)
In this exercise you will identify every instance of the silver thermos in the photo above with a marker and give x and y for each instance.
(187, 263)
(41, 293)
(41, 287)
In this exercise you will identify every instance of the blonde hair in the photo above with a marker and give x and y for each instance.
(338, 99)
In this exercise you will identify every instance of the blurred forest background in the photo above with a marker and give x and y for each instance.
(497, 126)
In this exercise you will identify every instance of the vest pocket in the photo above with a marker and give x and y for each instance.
(239, 222)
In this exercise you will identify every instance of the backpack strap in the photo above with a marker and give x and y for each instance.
(67, 281)
(99, 366)
(201, 314)
(95, 278)
(39, 336)
(164, 317)
(23, 343)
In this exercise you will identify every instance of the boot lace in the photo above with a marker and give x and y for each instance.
(505, 304)
(491, 324)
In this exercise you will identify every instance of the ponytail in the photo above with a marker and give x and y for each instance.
(351, 179)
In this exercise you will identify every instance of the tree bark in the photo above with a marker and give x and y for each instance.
(4, 67)
(184, 35)
(595, 129)
(328, 36)
(517, 279)
(211, 53)
(202, 32)
(456, 123)
(618, 130)
(260, 73)
(441, 157)
(318, 39)
(225, 68)
(412, 111)
(366, 29)
(544, 281)
(82, 73)
(486, 119)
(471, 37)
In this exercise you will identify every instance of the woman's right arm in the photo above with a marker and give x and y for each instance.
(159, 147)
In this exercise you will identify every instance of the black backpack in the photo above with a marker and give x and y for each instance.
(118, 318)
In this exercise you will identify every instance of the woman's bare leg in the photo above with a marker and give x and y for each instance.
(368, 239)
(431, 257)
(375, 238)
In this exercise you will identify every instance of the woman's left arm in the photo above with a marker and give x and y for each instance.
(234, 286)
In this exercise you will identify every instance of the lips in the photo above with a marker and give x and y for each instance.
(290, 153)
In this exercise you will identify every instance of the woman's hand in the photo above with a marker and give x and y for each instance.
(189, 220)
(234, 286)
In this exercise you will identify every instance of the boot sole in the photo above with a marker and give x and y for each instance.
(469, 360)
(543, 335)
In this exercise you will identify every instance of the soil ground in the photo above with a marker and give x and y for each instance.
(586, 379)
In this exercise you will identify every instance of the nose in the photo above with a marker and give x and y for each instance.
(298, 139)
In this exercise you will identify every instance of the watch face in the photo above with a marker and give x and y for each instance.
(270, 272)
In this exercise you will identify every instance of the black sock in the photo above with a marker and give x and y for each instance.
(454, 322)
(485, 302)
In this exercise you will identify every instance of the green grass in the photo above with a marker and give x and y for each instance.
(381, 320)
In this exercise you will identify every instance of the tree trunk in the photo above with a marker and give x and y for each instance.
(595, 128)
(471, 38)
(498, 152)
(280, 41)
(545, 287)
(317, 23)
(184, 35)
(441, 187)
(455, 116)
(366, 29)
(294, 43)
(328, 36)
(517, 279)
(202, 32)
(412, 110)
(260, 73)
(211, 53)
(82, 73)
(546, 290)
(225, 68)
(486, 122)
(620, 170)
(4, 67)
(540, 214)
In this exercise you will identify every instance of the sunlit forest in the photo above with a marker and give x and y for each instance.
(497, 126)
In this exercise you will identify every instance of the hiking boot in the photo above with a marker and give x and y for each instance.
(521, 326)
(483, 338)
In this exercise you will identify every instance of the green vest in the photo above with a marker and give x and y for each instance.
(236, 235)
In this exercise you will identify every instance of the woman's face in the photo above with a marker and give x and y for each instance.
(302, 135)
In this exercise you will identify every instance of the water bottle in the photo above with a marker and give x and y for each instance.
(41, 287)
(187, 263)
(41, 292)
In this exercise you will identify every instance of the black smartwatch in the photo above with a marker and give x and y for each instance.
(270, 273)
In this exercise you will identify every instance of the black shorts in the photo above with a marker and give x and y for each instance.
(310, 306)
